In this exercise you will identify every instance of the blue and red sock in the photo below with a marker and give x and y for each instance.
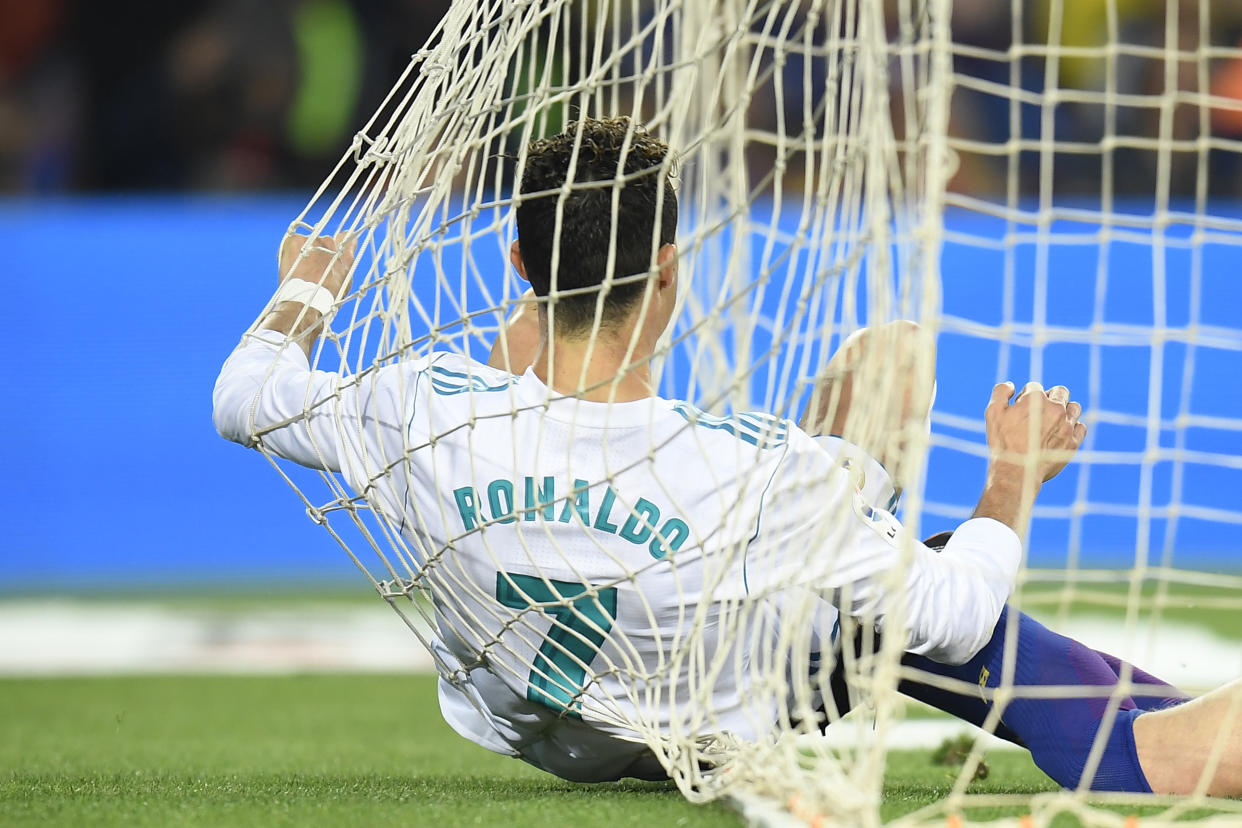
(1059, 731)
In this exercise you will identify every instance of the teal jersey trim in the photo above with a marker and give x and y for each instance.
(447, 383)
(758, 527)
(761, 430)
(409, 429)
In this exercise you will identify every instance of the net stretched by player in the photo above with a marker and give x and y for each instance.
(577, 525)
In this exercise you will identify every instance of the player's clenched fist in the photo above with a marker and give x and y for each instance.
(1039, 427)
(318, 261)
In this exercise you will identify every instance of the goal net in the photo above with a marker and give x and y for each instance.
(1040, 184)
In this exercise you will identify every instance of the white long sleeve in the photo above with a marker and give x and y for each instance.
(820, 532)
(954, 598)
(353, 424)
(266, 391)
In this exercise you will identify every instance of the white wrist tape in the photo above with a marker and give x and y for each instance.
(314, 296)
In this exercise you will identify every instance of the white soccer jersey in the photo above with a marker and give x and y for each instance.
(590, 562)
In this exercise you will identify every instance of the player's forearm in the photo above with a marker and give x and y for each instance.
(300, 322)
(314, 275)
(1008, 496)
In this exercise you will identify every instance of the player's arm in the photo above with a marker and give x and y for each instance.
(266, 389)
(314, 274)
(954, 598)
(951, 600)
(1029, 442)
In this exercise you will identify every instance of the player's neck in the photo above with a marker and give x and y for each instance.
(597, 370)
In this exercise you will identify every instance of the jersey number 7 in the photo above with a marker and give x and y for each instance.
(581, 616)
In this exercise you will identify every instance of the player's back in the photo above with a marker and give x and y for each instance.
(588, 560)
(571, 543)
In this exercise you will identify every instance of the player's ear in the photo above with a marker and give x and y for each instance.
(515, 259)
(666, 259)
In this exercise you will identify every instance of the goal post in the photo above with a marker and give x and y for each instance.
(1045, 195)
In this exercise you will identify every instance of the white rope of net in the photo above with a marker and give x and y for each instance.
(813, 161)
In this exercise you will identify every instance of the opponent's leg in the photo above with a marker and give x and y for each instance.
(1058, 730)
(1148, 693)
(1175, 746)
(972, 709)
(969, 708)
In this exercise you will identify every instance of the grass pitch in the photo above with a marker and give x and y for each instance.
(334, 750)
(353, 749)
(330, 750)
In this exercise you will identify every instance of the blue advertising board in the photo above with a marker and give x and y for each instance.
(122, 309)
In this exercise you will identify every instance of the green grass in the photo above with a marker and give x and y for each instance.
(329, 750)
(372, 749)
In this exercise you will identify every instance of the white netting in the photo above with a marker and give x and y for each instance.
(819, 175)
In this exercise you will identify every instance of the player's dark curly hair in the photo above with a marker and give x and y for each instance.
(586, 218)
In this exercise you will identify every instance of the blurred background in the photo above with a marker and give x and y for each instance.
(152, 155)
(261, 95)
(202, 95)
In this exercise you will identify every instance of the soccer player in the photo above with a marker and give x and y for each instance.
(573, 523)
